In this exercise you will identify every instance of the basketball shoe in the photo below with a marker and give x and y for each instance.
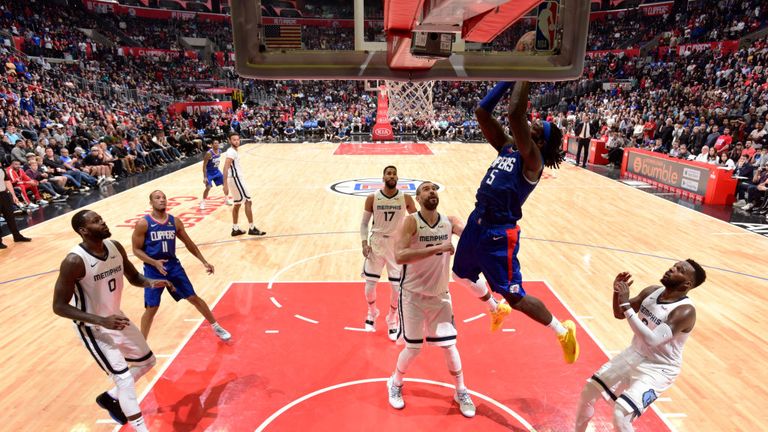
(112, 406)
(497, 316)
(395, 394)
(569, 343)
(466, 406)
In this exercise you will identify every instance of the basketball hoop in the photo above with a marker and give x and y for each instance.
(413, 99)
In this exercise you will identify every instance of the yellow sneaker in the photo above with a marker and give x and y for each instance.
(497, 316)
(569, 343)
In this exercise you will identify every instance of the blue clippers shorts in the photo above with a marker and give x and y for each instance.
(215, 178)
(176, 275)
(492, 251)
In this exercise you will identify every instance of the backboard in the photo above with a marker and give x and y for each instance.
(413, 40)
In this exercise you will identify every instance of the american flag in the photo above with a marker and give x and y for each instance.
(282, 36)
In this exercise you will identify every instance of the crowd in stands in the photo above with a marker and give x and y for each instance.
(64, 131)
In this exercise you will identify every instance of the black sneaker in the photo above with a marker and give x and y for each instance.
(257, 232)
(3, 246)
(112, 406)
(21, 238)
(237, 232)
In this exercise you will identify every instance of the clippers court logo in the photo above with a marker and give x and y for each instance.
(546, 26)
(366, 186)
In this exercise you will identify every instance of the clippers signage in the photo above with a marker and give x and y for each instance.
(546, 28)
(669, 172)
(366, 186)
(382, 130)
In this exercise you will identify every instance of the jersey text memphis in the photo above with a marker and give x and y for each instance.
(653, 314)
(428, 276)
(388, 212)
(100, 289)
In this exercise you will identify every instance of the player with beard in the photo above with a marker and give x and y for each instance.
(426, 313)
(387, 207)
(93, 273)
(661, 318)
(154, 242)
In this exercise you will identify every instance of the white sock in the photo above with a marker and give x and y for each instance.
(235, 227)
(138, 425)
(589, 395)
(492, 304)
(251, 226)
(404, 360)
(216, 325)
(557, 327)
(370, 294)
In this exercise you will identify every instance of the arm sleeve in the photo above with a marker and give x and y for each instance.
(364, 225)
(656, 337)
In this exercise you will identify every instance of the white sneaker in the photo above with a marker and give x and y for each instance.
(739, 203)
(42, 202)
(395, 394)
(230, 202)
(466, 406)
(222, 334)
(370, 320)
(32, 206)
(202, 205)
(748, 206)
(392, 325)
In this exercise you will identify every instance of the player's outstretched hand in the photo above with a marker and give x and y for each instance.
(621, 286)
(161, 283)
(160, 266)
(208, 268)
(114, 322)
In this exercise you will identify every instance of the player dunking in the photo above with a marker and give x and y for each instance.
(424, 248)
(154, 242)
(387, 207)
(211, 174)
(491, 240)
(234, 175)
(662, 318)
(93, 273)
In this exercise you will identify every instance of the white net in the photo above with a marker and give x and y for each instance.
(411, 99)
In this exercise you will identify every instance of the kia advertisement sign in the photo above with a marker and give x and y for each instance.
(668, 171)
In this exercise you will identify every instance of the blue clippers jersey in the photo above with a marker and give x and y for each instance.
(160, 239)
(213, 162)
(503, 190)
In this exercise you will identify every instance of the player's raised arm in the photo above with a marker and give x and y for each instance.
(73, 269)
(491, 127)
(633, 303)
(518, 124)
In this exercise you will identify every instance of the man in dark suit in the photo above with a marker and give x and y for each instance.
(585, 130)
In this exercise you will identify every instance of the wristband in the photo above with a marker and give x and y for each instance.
(494, 96)
(625, 304)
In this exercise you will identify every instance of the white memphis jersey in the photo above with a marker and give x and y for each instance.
(428, 276)
(100, 290)
(388, 212)
(653, 313)
(234, 167)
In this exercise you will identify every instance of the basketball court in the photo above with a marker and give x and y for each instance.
(294, 300)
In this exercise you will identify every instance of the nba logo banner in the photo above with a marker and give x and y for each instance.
(546, 26)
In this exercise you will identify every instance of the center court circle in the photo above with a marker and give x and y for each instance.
(306, 397)
(366, 186)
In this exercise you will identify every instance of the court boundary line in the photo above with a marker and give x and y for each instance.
(600, 345)
(177, 351)
(264, 424)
